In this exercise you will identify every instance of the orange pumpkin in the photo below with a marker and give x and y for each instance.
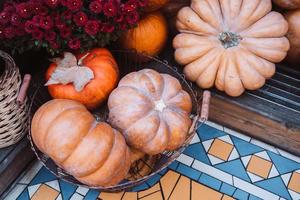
(232, 44)
(152, 111)
(293, 18)
(106, 73)
(154, 5)
(91, 151)
(149, 36)
(288, 4)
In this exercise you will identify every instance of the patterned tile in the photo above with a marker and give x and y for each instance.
(220, 164)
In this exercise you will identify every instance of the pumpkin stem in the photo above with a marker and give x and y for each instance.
(229, 39)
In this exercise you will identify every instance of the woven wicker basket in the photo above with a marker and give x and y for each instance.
(13, 113)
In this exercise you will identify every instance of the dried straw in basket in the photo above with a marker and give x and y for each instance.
(13, 115)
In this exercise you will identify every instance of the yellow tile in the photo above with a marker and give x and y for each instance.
(130, 196)
(153, 189)
(46, 193)
(182, 190)
(111, 196)
(154, 196)
(295, 182)
(220, 149)
(225, 197)
(201, 192)
(259, 166)
(168, 182)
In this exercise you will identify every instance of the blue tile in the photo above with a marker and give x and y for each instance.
(91, 195)
(141, 187)
(274, 185)
(241, 195)
(164, 171)
(44, 175)
(67, 189)
(235, 168)
(252, 197)
(198, 152)
(283, 165)
(227, 189)
(153, 180)
(206, 132)
(210, 181)
(188, 171)
(174, 165)
(24, 195)
(245, 148)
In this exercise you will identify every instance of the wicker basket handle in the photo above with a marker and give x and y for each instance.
(23, 89)
(205, 106)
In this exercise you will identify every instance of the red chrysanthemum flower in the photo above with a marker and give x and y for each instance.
(9, 32)
(37, 34)
(130, 6)
(65, 32)
(80, 18)
(9, 7)
(2, 35)
(109, 9)
(4, 17)
(123, 26)
(74, 43)
(64, 2)
(119, 18)
(46, 23)
(15, 20)
(74, 5)
(29, 26)
(92, 27)
(54, 44)
(67, 15)
(143, 3)
(132, 18)
(24, 10)
(52, 3)
(50, 36)
(19, 30)
(95, 6)
(108, 28)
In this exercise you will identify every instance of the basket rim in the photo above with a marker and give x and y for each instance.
(128, 184)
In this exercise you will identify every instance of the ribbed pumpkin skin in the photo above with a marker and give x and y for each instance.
(106, 73)
(154, 5)
(152, 111)
(230, 44)
(94, 153)
(149, 36)
(288, 4)
(293, 18)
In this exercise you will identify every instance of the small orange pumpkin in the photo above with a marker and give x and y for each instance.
(105, 69)
(149, 36)
(154, 5)
(93, 152)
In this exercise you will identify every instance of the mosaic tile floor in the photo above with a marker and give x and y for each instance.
(219, 164)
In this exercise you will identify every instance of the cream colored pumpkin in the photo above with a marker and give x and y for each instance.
(91, 151)
(151, 110)
(232, 44)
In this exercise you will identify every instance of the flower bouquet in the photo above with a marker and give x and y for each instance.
(65, 25)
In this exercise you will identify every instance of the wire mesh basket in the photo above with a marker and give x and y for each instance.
(13, 113)
(148, 166)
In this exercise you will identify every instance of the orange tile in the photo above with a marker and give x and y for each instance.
(111, 196)
(295, 182)
(46, 193)
(130, 196)
(153, 189)
(220, 149)
(168, 182)
(259, 166)
(182, 190)
(201, 192)
(154, 196)
(225, 197)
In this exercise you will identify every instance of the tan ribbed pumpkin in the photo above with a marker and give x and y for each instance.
(151, 110)
(91, 151)
(232, 44)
